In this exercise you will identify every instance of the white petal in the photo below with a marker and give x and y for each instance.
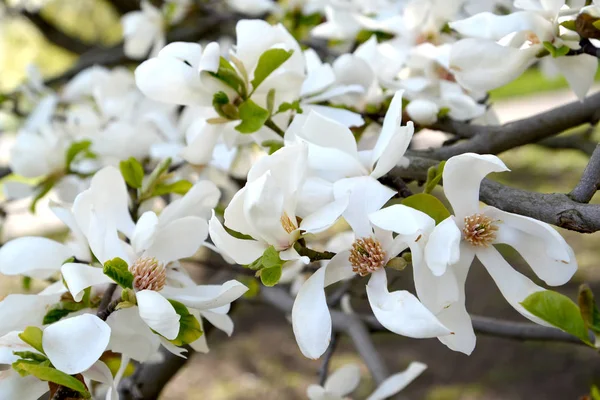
(544, 249)
(462, 177)
(338, 268)
(199, 201)
(144, 231)
(75, 344)
(14, 386)
(33, 256)
(18, 311)
(311, 320)
(241, 251)
(206, 297)
(400, 311)
(179, 239)
(579, 71)
(324, 217)
(486, 25)
(402, 220)
(390, 128)
(443, 246)
(318, 79)
(397, 382)
(158, 313)
(326, 132)
(175, 350)
(210, 58)
(131, 336)
(200, 345)
(394, 150)
(9, 344)
(222, 322)
(340, 115)
(514, 286)
(423, 112)
(82, 276)
(343, 381)
(202, 138)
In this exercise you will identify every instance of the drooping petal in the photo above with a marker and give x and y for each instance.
(402, 219)
(544, 249)
(390, 128)
(199, 201)
(397, 382)
(340, 115)
(82, 276)
(75, 344)
(311, 320)
(14, 386)
(222, 322)
(200, 345)
(179, 239)
(514, 286)
(343, 381)
(400, 311)
(579, 71)
(325, 132)
(462, 177)
(206, 297)
(36, 257)
(131, 336)
(99, 372)
(144, 231)
(201, 139)
(338, 268)
(486, 25)
(9, 344)
(394, 151)
(158, 313)
(324, 217)
(240, 250)
(18, 311)
(443, 246)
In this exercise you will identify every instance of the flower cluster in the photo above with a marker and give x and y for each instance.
(280, 160)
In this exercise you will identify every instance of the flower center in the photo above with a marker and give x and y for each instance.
(287, 223)
(148, 274)
(532, 38)
(480, 230)
(367, 256)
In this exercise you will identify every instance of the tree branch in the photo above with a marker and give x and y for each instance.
(324, 369)
(484, 139)
(590, 180)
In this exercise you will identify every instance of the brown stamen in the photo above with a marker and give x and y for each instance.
(148, 274)
(480, 230)
(287, 223)
(367, 256)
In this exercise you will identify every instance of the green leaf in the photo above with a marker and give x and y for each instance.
(550, 47)
(26, 283)
(589, 309)
(189, 326)
(595, 393)
(569, 24)
(61, 310)
(444, 111)
(222, 107)
(30, 355)
(428, 204)
(434, 176)
(75, 149)
(285, 106)
(558, 310)
(253, 117)
(273, 145)
(50, 374)
(179, 187)
(33, 336)
(132, 172)
(229, 76)
(268, 62)
(270, 101)
(154, 179)
(118, 270)
(270, 276)
(42, 189)
(270, 258)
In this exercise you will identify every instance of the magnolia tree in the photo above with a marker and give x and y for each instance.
(282, 149)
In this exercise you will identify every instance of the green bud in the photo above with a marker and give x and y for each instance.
(397, 263)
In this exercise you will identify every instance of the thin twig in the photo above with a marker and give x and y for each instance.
(590, 180)
(111, 308)
(107, 297)
(324, 368)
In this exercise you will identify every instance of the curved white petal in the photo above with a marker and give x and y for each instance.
(79, 277)
(397, 382)
(486, 25)
(131, 336)
(394, 150)
(514, 286)
(222, 322)
(158, 313)
(343, 381)
(206, 297)
(390, 128)
(579, 71)
(144, 231)
(462, 177)
(345, 117)
(75, 344)
(338, 268)
(240, 250)
(14, 386)
(400, 311)
(179, 239)
(423, 112)
(311, 320)
(201, 138)
(18, 311)
(443, 246)
(324, 217)
(199, 201)
(37, 257)
(402, 219)
(326, 132)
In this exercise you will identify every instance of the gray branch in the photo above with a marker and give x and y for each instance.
(590, 180)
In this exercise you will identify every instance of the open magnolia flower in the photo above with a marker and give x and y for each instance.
(143, 31)
(373, 248)
(265, 210)
(472, 231)
(345, 380)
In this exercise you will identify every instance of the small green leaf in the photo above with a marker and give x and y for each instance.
(595, 393)
(132, 172)
(596, 24)
(589, 309)
(75, 149)
(550, 47)
(154, 179)
(33, 336)
(270, 258)
(50, 374)
(253, 117)
(189, 326)
(444, 111)
(428, 204)
(273, 145)
(434, 176)
(179, 187)
(270, 101)
(285, 106)
(270, 276)
(562, 51)
(30, 355)
(118, 270)
(62, 309)
(268, 62)
(42, 189)
(569, 24)
(26, 283)
(229, 76)
(558, 310)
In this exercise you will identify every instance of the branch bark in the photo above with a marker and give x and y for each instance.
(590, 180)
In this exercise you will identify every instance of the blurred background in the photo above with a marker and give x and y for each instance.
(261, 360)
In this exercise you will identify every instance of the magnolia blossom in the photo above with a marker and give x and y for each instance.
(472, 231)
(143, 31)
(345, 380)
(373, 248)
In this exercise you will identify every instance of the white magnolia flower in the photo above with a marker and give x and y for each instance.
(373, 247)
(345, 380)
(265, 209)
(40, 153)
(472, 231)
(253, 7)
(143, 31)
(500, 47)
